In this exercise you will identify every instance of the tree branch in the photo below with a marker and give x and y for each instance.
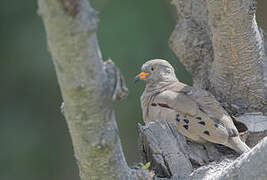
(248, 166)
(88, 88)
(173, 158)
(160, 147)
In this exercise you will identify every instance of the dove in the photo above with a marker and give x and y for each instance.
(198, 115)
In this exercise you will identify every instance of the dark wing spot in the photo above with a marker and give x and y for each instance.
(164, 105)
(185, 126)
(186, 121)
(206, 132)
(199, 118)
(232, 132)
(216, 125)
(153, 104)
(177, 118)
(202, 123)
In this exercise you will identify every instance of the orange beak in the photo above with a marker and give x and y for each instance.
(142, 75)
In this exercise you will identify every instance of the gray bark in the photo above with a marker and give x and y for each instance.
(88, 87)
(220, 43)
(169, 152)
(250, 165)
(237, 70)
(159, 146)
(173, 158)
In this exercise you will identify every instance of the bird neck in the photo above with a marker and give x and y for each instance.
(153, 87)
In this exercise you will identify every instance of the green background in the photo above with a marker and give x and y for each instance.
(34, 139)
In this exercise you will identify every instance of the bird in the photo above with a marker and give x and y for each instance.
(198, 115)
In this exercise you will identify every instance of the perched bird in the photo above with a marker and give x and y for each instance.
(197, 113)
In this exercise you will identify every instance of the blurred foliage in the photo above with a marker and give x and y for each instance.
(34, 139)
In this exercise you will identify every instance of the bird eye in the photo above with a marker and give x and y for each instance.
(152, 68)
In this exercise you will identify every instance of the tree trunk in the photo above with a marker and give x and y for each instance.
(220, 43)
(88, 87)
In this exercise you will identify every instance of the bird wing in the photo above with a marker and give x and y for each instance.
(198, 114)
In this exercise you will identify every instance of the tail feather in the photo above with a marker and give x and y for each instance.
(238, 145)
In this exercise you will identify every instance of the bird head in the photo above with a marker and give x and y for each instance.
(156, 71)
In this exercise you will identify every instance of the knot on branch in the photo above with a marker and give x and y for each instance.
(115, 78)
(70, 6)
(82, 11)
